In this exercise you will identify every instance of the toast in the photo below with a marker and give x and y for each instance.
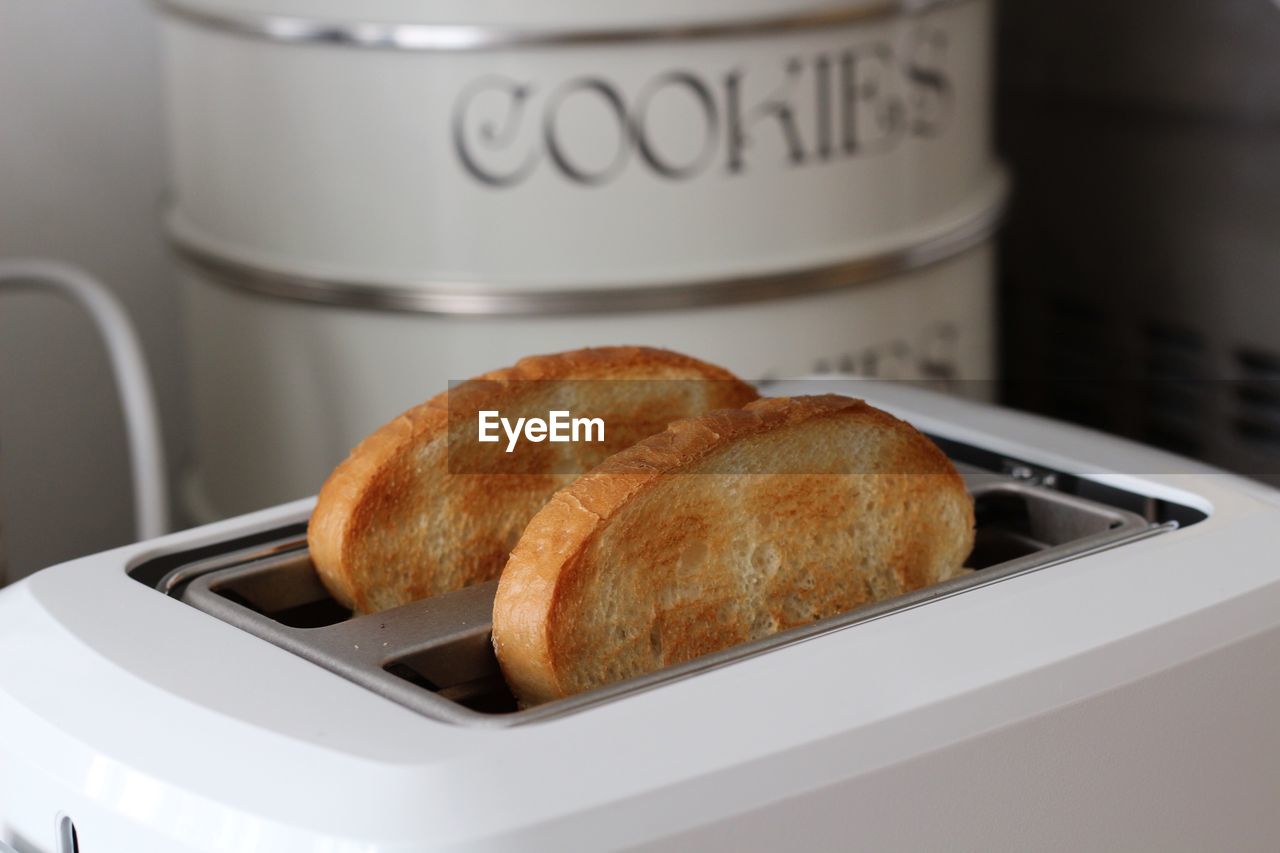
(392, 524)
(725, 528)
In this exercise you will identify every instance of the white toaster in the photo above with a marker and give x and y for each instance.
(1108, 679)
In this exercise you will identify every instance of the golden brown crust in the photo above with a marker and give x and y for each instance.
(346, 503)
(560, 569)
(391, 524)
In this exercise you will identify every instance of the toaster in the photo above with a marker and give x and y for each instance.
(1106, 678)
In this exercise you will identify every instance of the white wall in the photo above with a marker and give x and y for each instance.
(81, 179)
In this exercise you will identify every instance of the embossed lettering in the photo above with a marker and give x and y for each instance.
(618, 115)
(472, 133)
(776, 106)
(644, 132)
(849, 101)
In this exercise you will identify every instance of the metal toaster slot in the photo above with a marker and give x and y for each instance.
(435, 656)
(1013, 522)
(291, 594)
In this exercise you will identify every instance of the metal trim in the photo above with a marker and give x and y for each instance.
(381, 35)
(335, 646)
(478, 299)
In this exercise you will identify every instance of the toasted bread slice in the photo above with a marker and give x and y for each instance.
(392, 524)
(725, 528)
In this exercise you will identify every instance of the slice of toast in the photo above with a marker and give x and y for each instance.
(392, 524)
(725, 528)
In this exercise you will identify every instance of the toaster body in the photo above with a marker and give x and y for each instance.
(1105, 679)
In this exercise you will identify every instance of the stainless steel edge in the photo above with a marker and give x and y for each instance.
(382, 35)
(304, 642)
(339, 648)
(868, 613)
(173, 580)
(477, 299)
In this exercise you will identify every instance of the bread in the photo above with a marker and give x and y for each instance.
(392, 524)
(725, 528)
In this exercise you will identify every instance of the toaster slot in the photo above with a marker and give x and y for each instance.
(435, 656)
(487, 694)
(1016, 521)
(290, 593)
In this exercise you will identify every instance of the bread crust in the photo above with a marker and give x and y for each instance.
(554, 576)
(391, 524)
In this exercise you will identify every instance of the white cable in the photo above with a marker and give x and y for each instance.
(137, 401)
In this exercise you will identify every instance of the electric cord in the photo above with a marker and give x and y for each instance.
(133, 384)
